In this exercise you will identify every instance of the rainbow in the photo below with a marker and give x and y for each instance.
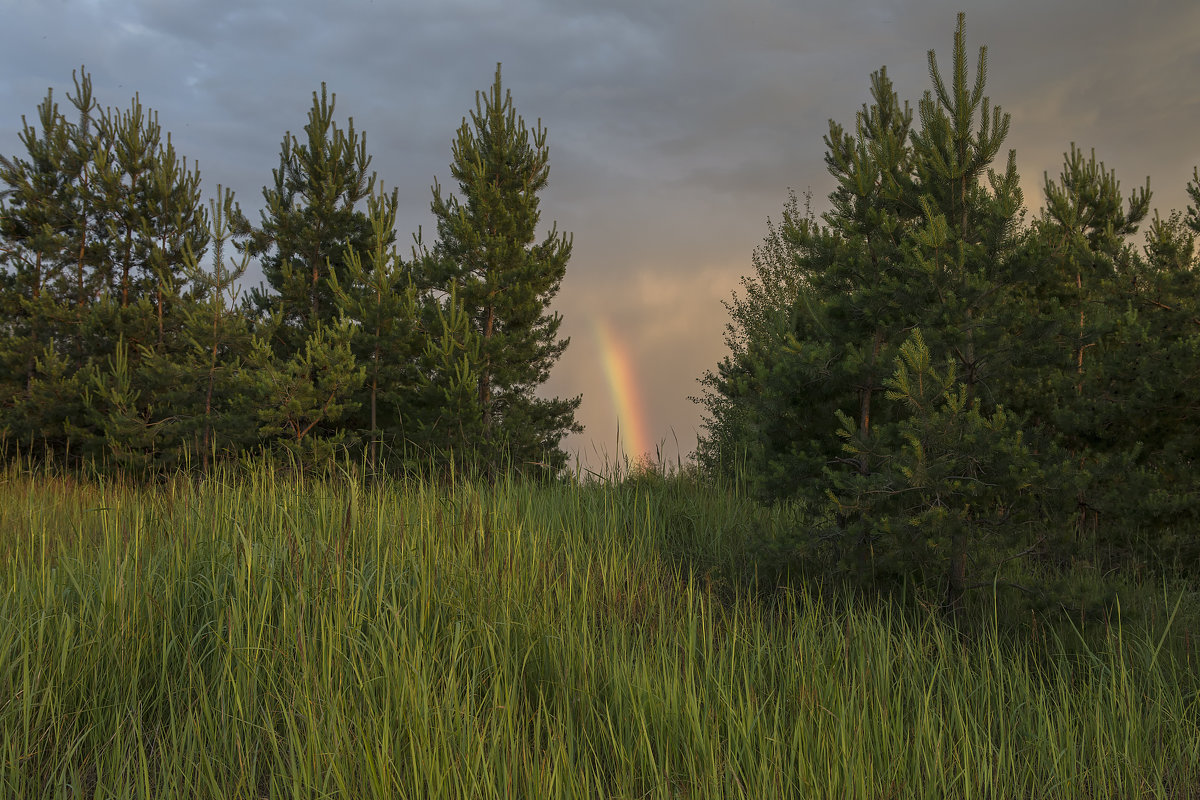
(622, 384)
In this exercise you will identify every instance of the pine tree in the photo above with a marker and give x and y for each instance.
(1084, 227)
(505, 279)
(1132, 421)
(44, 224)
(865, 287)
(761, 318)
(827, 343)
(965, 245)
(1160, 366)
(306, 399)
(923, 234)
(1087, 213)
(98, 223)
(447, 419)
(217, 407)
(968, 231)
(149, 204)
(380, 298)
(957, 478)
(311, 220)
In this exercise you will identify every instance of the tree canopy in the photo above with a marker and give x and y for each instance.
(945, 387)
(129, 343)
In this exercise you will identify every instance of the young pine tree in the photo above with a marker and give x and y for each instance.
(37, 216)
(505, 280)
(312, 219)
(97, 226)
(305, 400)
(311, 222)
(377, 293)
(921, 233)
(957, 479)
(218, 409)
(1131, 423)
(447, 422)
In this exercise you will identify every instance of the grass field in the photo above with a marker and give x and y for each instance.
(257, 636)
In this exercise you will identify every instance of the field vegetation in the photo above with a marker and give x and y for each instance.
(256, 634)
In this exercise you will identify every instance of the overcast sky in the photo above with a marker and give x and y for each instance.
(676, 127)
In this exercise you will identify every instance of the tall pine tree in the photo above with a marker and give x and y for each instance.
(921, 235)
(378, 295)
(97, 226)
(312, 224)
(505, 279)
(311, 220)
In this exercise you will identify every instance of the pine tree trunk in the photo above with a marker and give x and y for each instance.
(1079, 285)
(1081, 497)
(485, 383)
(158, 298)
(863, 545)
(125, 267)
(34, 327)
(316, 277)
(208, 395)
(956, 583)
(79, 299)
(374, 396)
(864, 409)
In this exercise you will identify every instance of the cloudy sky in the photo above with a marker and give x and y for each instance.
(676, 127)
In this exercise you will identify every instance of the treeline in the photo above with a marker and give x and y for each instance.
(127, 343)
(953, 390)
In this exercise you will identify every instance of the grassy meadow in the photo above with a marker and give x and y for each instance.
(259, 636)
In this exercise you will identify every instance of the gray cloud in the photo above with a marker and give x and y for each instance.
(676, 126)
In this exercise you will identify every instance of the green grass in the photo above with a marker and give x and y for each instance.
(256, 636)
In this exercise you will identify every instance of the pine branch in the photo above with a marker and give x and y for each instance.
(1166, 307)
(984, 584)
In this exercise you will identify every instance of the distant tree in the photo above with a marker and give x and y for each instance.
(504, 279)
